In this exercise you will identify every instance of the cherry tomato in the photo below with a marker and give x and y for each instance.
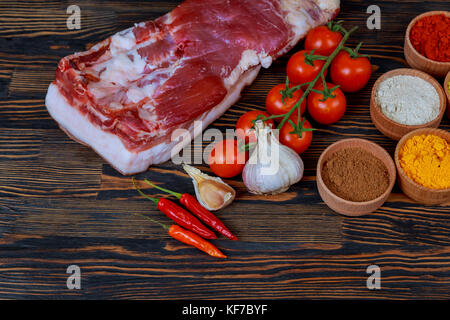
(299, 72)
(323, 40)
(226, 160)
(244, 125)
(352, 74)
(293, 140)
(274, 102)
(330, 110)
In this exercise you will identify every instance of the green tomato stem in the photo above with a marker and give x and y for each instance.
(319, 75)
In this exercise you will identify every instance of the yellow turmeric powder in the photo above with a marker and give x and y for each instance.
(426, 160)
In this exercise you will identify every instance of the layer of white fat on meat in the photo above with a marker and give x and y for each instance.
(122, 70)
(111, 148)
(249, 59)
(301, 22)
(136, 94)
(122, 41)
(125, 65)
(328, 5)
(265, 59)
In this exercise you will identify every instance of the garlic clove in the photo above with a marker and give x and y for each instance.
(211, 192)
(214, 194)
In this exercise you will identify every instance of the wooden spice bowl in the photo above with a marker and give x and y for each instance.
(346, 207)
(447, 91)
(395, 130)
(418, 61)
(412, 189)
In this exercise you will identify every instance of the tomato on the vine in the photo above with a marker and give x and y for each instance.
(245, 125)
(351, 73)
(331, 109)
(299, 72)
(297, 138)
(274, 101)
(323, 40)
(226, 159)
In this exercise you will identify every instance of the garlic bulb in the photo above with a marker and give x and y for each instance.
(272, 167)
(211, 192)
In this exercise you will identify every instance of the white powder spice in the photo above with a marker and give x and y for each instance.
(408, 100)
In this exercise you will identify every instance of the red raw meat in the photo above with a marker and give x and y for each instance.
(127, 94)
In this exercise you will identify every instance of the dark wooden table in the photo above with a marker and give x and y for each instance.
(60, 204)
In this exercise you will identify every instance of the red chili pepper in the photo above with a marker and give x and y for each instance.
(201, 212)
(192, 239)
(179, 215)
(189, 238)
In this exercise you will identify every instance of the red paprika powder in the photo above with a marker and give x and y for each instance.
(430, 36)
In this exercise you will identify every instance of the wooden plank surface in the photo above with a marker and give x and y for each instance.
(60, 204)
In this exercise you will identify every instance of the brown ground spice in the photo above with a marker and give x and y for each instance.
(355, 175)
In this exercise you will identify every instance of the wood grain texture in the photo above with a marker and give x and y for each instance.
(60, 204)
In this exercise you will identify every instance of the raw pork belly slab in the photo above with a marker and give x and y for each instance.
(126, 95)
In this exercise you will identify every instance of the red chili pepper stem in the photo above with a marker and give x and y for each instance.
(153, 220)
(155, 200)
(175, 194)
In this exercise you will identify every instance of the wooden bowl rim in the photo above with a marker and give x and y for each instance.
(408, 31)
(399, 167)
(408, 72)
(445, 87)
(363, 142)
